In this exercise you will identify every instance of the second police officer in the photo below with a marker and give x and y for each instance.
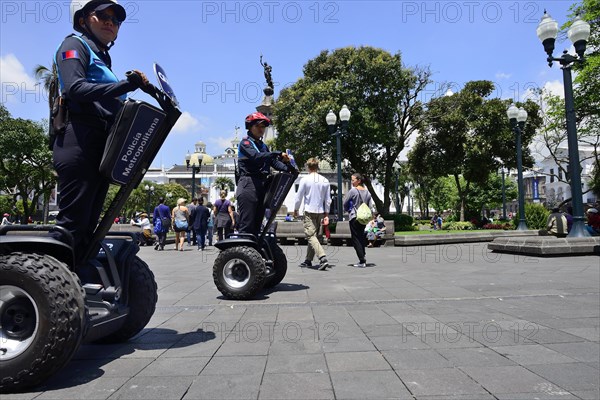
(254, 163)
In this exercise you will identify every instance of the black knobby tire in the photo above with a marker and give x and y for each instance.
(43, 317)
(280, 264)
(239, 272)
(142, 295)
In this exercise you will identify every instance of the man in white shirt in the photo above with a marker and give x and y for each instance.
(314, 192)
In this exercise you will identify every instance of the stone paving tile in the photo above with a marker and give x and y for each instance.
(406, 341)
(509, 379)
(296, 363)
(544, 336)
(479, 396)
(591, 334)
(296, 386)
(551, 393)
(154, 387)
(475, 357)
(283, 347)
(244, 348)
(188, 366)
(348, 344)
(233, 386)
(532, 354)
(415, 359)
(365, 385)
(357, 361)
(439, 381)
(587, 394)
(199, 349)
(81, 388)
(250, 365)
(574, 376)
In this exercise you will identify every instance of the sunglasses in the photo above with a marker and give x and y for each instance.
(104, 16)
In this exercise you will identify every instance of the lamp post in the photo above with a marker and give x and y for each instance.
(149, 192)
(503, 194)
(517, 118)
(331, 122)
(195, 166)
(578, 33)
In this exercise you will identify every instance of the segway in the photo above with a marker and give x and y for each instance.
(247, 264)
(45, 310)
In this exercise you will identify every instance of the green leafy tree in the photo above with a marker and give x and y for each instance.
(224, 183)
(384, 97)
(26, 165)
(488, 194)
(466, 133)
(444, 195)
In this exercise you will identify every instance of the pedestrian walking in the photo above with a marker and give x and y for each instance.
(313, 191)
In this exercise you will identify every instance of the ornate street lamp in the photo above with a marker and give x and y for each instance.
(195, 165)
(578, 33)
(517, 118)
(331, 122)
(149, 192)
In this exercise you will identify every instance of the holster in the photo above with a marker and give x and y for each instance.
(59, 117)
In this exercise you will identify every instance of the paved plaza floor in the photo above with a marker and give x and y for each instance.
(437, 322)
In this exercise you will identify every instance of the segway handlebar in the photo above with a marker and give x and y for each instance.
(165, 102)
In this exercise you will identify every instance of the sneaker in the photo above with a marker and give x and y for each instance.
(323, 264)
(156, 246)
(360, 265)
(305, 264)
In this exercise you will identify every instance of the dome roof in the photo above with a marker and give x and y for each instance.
(206, 159)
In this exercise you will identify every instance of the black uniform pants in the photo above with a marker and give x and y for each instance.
(82, 188)
(250, 195)
(359, 240)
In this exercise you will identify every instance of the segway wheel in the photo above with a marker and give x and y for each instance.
(239, 272)
(141, 297)
(280, 265)
(42, 319)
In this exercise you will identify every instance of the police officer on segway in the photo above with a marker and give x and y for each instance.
(93, 95)
(254, 164)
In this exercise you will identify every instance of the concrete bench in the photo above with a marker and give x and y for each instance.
(292, 230)
(342, 234)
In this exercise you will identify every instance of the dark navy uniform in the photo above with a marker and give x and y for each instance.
(254, 163)
(93, 96)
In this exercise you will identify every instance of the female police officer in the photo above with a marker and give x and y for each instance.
(93, 96)
(254, 164)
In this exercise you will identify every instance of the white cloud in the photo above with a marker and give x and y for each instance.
(187, 123)
(555, 87)
(502, 75)
(15, 82)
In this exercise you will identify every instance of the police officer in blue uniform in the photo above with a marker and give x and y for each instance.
(93, 96)
(254, 165)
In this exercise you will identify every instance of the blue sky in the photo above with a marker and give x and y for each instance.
(211, 50)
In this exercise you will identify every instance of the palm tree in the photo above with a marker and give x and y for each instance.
(49, 78)
(223, 183)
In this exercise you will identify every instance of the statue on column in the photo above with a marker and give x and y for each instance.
(268, 70)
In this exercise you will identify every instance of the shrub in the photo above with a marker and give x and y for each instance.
(400, 220)
(536, 216)
(457, 226)
(505, 226)
(406, 228)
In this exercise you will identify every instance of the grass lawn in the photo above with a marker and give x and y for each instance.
(445, 232)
